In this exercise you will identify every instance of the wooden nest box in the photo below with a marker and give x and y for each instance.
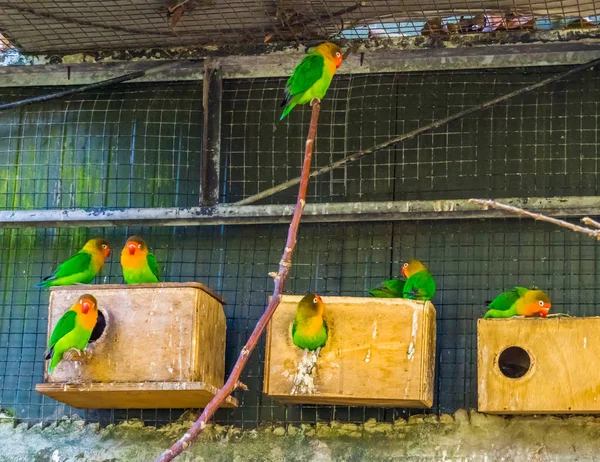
(538, 366)
(163, 347)
(379, 352)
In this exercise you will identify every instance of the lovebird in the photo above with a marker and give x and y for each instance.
(312, 76)
(139, 265)
(519, 301)
(73, 330)
(82, 267)
(419, 284)
(309, 330)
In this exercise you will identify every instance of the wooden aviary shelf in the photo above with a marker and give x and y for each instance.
(380, 352)
(163, 347)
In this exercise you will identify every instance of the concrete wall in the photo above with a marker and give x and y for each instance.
(460, 437)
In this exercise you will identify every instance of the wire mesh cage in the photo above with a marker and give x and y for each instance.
(137, 145)
(62, 26)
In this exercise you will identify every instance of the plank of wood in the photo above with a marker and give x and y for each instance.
(144, 395)
(160, 285)
(380, 352)
(564, 355)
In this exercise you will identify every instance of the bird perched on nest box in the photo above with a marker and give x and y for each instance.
(309, 331)
(519, 301)
(82, 267)
(312, 76)
(73, 330)
(419, 284)
(139, 265)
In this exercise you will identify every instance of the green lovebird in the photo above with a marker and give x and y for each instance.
(82, 267)
(309, 330)
(419, 284)
(139, 265)
(73, 330)
(312, 76)
(519, 301)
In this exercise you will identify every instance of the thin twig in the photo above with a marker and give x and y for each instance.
(595, 233)
(419, 131)
(588, 221)
(284, 267)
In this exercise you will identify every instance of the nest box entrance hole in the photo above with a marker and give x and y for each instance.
(514, 362)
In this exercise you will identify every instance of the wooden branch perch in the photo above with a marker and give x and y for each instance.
(279, 279)
(595, 233)
(419, 131)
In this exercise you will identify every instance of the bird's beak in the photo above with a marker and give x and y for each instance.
(131, 249)
(320, 299)
(85, 307)
(107, 253)
(404, 272)
(545, 310)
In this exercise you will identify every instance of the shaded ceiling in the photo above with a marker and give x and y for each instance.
(88, 25)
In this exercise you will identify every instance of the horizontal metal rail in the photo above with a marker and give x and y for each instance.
(568, 206)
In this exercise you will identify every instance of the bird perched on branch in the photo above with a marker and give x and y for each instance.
(73, 330)
(139, 265)
(519, 301)
(309, 331)
(82, 267)
(419, 284)
(312, 76)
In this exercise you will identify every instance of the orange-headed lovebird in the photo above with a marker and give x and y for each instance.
(419, 284)
(519, 301)
(139, 265)
(312, 76)
(82, 267)
(73, 330)
(309, 330)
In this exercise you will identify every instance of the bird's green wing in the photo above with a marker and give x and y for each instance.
(420, 286)
(65, 325)
(392, 288)
(505, 300)
(153, 264)
(78, 263)
(308, 72)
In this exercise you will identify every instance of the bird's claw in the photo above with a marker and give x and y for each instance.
(76, 355)
(313, 100)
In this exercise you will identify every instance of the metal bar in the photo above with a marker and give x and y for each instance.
(282, 63)
(567, 206)
(419, 131)
(211, 135)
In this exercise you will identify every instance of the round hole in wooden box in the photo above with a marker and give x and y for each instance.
(514, 362)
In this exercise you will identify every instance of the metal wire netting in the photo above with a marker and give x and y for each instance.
(58, 146)
(89, 25)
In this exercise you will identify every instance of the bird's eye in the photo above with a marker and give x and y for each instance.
(338, 54)
(315, 300)
(139, 246)
(405, 265)
(541, 303)
(104, 246)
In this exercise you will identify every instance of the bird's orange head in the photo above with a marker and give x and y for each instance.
(98, 245)
(412, 267)
(537, 302)
(87, 303)
(312, 303)
(331, 52)
(136, 245)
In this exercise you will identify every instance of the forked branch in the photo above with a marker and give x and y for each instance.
(595, 233)
(279, 279)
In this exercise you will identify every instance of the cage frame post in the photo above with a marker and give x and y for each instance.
(212, 98)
